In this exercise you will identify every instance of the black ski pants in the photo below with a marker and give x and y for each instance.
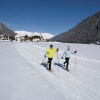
(66, 61)
(49, 61)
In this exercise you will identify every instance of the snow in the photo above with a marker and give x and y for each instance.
(22, 33)
(23, 77)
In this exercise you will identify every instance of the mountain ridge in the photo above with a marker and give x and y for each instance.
(87, 31)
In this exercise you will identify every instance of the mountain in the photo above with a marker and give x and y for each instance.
(87, 31)
(45, 35)
(5, 30)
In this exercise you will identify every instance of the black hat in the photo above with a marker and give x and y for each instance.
(51, 45)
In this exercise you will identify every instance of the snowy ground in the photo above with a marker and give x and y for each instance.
(23, 77)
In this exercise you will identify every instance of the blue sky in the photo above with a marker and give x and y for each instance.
(52, 16)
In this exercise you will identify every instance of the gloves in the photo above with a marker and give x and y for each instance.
(75, 52)
(44, 55)
(57, 49)
(61, 57)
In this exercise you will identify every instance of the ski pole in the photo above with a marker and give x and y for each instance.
(58, 61)
(43, 59)
(75, 58)
(57, 57)
(75, 61)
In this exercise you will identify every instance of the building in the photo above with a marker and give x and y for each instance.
(4, 37)
(18, 38)
(26, 38)
(37, 38)
(22, 38)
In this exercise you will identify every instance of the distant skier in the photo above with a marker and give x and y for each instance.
(50, 54)
(67, 55)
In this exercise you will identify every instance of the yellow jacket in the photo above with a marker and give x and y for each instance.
(50, 52)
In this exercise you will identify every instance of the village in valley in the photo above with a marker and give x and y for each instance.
(24, 38)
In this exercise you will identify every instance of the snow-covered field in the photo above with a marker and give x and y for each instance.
(23, 77)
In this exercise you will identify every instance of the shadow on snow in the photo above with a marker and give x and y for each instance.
(60, 65)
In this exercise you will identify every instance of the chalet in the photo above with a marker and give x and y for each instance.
(18, 38)
(25, 38)
(22, 38)
(4, 37)
(37, 38)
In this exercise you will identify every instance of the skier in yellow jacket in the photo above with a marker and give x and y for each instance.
(50, 53)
